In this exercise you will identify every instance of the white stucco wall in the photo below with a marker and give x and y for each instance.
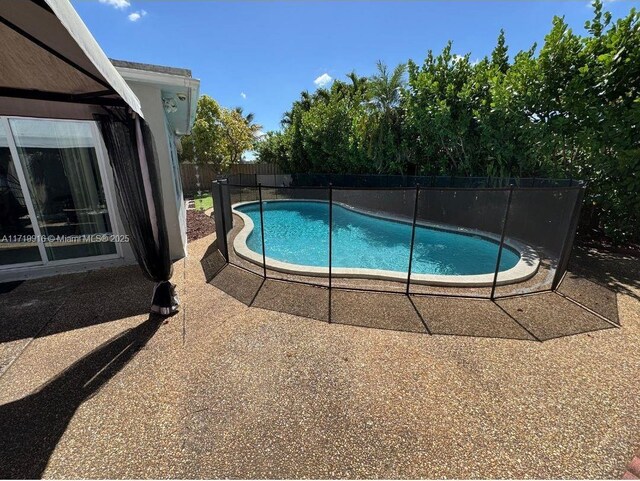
(151, 100)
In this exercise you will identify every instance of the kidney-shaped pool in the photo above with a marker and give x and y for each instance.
(296, 238)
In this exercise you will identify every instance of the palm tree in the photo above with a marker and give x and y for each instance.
(249, 120)
(358, 84)
(385, 93)
(304, 104)
(322, 94)
(305, 100)
(287, 118)
(386, 88)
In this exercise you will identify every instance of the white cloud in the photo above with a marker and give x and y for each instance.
(590, 3)
(323, 80)
(135, 16)
(243, 95)
(457, 58)
(120, 4)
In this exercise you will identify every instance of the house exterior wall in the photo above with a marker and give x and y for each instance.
(165, 142)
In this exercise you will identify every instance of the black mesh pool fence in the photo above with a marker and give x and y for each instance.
(485, 241)
(397, 181)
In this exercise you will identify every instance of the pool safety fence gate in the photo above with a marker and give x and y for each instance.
(533, 226)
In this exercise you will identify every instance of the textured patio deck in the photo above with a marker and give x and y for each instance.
(90, 386)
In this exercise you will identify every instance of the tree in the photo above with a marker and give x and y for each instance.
(237, 134)
(499, 57)
(206, 144)
(219, 136)
(275, 148)
(569, 109)
(249, 120)
(385, 126)
(442, 103)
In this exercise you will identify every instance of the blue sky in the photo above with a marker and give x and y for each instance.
(260, 55)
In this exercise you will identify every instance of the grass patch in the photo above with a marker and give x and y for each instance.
(203, 203)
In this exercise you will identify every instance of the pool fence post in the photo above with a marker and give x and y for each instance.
(219, 218)
(330, 242)
(504, 230)
(264, 256)
(567, 244)
(413, 236)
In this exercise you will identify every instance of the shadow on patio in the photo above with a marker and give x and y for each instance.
(31, 427)
(620, 274)
(538, 317)
(28, 308)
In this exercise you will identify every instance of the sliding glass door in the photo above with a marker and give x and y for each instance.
(17, 237)
(64, 202)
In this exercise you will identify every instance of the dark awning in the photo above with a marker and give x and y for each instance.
(51, 66)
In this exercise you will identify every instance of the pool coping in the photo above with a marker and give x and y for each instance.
(521, 272)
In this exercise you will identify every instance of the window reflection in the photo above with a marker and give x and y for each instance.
(63, 177)
(17, 241)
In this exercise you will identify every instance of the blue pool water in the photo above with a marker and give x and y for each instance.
(297, 232)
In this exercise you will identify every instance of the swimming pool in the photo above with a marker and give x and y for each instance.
(296, 239)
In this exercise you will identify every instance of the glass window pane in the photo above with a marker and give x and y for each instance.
(63, 176)
(17, 240)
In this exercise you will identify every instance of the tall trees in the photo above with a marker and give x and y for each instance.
(499, 56)
(275, 148)
(219, 136)
(569, 109)
(238, 134)
(206, 144)
(249, 120)
(441, 101)
(384, 135)
(609, 135)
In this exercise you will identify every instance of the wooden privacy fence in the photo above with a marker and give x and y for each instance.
(204, 174)
(261, 169)
(194, 174)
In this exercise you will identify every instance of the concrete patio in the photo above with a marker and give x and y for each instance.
(91, 386)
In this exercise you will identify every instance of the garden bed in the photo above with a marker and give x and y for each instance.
(199, 225)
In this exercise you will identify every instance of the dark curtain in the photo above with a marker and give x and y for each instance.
(131, 150)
